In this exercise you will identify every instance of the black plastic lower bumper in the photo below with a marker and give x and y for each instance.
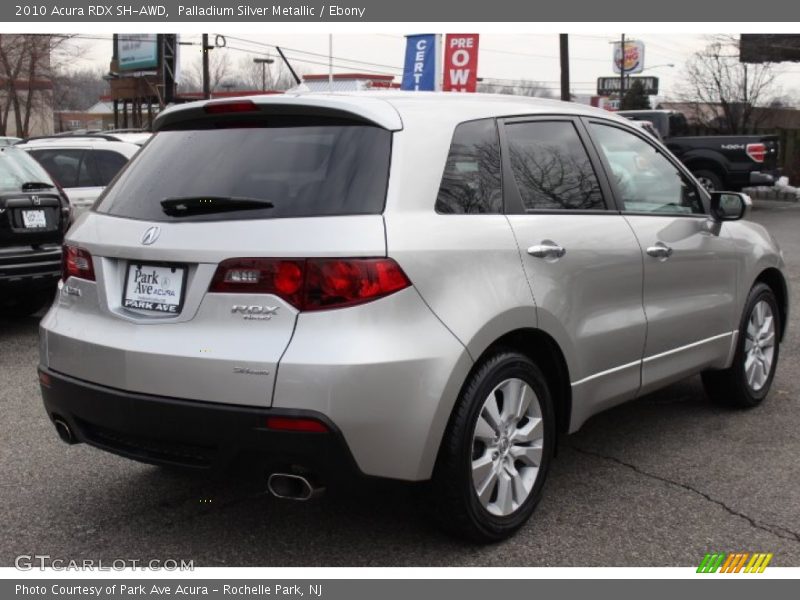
(188, 433)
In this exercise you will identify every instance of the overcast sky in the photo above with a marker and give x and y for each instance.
(501, 56)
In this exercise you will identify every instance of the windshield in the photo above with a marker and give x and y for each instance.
(263, 172)
(18, 169)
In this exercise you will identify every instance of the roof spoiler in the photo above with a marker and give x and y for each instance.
(371, 111)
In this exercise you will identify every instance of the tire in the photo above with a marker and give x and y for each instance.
(709, 180)
(742, 385)
(26, 303)
(470, 441)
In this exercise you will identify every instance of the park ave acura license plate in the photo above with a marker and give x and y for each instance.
(155, 288)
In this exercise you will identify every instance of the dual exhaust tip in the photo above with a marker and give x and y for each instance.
(293, 487)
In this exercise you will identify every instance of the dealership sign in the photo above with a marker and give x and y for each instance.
(610, 85)
(460, 62)
(137, 51)
(421, 68)
(633, 57)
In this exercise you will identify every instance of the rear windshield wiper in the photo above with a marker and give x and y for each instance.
(36, 185)
(202, 205)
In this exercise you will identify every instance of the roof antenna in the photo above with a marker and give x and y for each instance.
(286, 61)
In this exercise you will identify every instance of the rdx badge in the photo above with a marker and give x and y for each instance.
(257, 312)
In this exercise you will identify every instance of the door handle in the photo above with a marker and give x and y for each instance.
(547, 249)
(660, 250)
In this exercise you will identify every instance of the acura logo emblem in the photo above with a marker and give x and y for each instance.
(151, 235)
(36, 200)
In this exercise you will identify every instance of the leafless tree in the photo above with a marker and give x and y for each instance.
(78, 89)
(220, 71)
(275, 76)
(726, 93)
(27, 65)
(518, 87)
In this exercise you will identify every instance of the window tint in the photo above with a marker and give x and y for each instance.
(551, 167)
(471, 181)
(646, 180)
(255, 172)
(65, 166)
(103, 165)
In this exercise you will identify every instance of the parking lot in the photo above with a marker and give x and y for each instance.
(656, 482)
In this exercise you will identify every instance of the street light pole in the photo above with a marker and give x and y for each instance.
(263, 62)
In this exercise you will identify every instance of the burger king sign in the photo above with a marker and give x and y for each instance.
(633, 57)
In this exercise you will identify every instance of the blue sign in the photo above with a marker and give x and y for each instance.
(420, 72)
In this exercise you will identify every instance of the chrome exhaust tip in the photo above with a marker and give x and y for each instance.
(64, 431)
(292, 487)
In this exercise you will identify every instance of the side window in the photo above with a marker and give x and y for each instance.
(471, 180)
(103, 165)
(645, 179)
(65, 166)
(552, 168)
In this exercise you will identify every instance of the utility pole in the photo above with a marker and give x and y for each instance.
(206, 76)
(564, 54)
(621, 70)
(330, 62)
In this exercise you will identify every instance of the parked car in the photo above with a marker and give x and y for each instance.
(9, 141)
(649, 128)
(34, 214)
(719, 162)
(423, 287)
(83, 166)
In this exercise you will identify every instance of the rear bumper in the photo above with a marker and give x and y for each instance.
(187, 433)
(29, 266)
(765, 178)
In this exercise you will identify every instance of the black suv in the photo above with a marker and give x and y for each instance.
(34, 214)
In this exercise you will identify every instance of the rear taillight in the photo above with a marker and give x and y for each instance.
(312, 283)
(76, 262)
(757, 152)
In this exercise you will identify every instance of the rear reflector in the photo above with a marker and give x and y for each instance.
(230, 106)
(313, 283)
(757, 152)
(44, 379)
(296, 424)
(76, 262)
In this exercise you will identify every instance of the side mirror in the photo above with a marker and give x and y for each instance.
(730, 206)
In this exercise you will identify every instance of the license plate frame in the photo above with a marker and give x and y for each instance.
(34, 219)
(153, 306)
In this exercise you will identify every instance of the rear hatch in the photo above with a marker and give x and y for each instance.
(32, 211)
(183, 303)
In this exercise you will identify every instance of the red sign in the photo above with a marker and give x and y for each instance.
(460, 62)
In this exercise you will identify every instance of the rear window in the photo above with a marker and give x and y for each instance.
(255, 173)
(17, 168)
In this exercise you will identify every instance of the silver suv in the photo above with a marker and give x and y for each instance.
(423, 287)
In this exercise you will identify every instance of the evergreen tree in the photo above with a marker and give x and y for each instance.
(636, 98)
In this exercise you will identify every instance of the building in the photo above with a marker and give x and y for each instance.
(347, 82)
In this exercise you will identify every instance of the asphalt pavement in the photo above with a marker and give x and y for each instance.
(656, 482)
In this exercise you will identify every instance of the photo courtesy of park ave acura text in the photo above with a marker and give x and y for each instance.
(382, 295)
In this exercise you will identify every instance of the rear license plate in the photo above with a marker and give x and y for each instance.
(33, 219)
(155, 288)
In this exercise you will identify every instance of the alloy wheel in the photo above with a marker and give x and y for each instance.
(507, 447)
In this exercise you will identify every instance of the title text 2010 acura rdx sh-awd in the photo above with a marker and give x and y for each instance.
(423, 287)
